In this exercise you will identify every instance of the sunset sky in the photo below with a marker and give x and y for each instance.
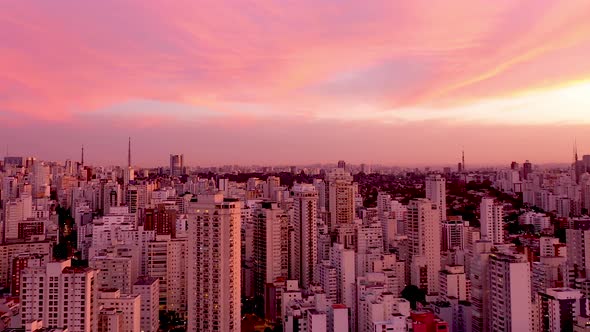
(294, 82)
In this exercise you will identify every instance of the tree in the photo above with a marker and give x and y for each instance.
(414, 295)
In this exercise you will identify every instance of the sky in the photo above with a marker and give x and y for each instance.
(295, 82)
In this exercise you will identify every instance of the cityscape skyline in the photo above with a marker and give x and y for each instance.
(352, 82)
(294, 166)
(162, 161)
(340, 248)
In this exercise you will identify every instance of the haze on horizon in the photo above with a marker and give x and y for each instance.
(295, 82)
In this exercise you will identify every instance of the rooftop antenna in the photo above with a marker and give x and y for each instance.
(82, 161)
(129, 154)
(576, 169)
(575, 150)
(463, 158)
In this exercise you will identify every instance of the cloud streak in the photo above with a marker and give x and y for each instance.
(235, 64)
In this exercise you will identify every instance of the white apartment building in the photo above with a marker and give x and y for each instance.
(167, 261)
(540, 221)
(423, 231)
(115, 272)
(435, 186)
(453, 234)
(454, 283)
(559, 308)
(61, 295)
(128, 304)
(148, 288)
(9, 251)
(492, 221)
(510, 293)
(578, 249)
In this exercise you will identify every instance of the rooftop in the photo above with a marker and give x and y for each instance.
(145, 281)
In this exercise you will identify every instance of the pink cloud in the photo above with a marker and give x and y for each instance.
(60, 60)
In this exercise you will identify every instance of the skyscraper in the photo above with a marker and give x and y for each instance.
(340, 198)
(559, 308)
(305, 245)
(453, 234)
(148, 288)
(40, 180)
(61, 296)
(271, 248)
(578, 250)
(176, 164)
(527, 168)
(214, 260)
(423, 231)
(435, 186)
(510, 293)
(492, 220)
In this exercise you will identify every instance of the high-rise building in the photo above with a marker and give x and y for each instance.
(338, 317)
(13, 161)
(550, 246)
(176, 164)
(586, 163)
(479, 277)
(343, 260)
(9, 188)
(559, 307)
(454, 283)
(135, 198)
(21, 262)
(366, 168)
(435, 186)
(423, 231)
(492, 221)
(272, 184)
(384, 206)
(453, 234)
(110, 320)
(510, 293)
(148, 289)
(578, 250)
(328, 280)
(115, 272)
(271, 245)
(340, 198)
(161, 220)
(61, 296)
(304, 244)
(167, 260)
(40, 180)
(11, 253)
(129, 305)
(214, 261)
(527, 169)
